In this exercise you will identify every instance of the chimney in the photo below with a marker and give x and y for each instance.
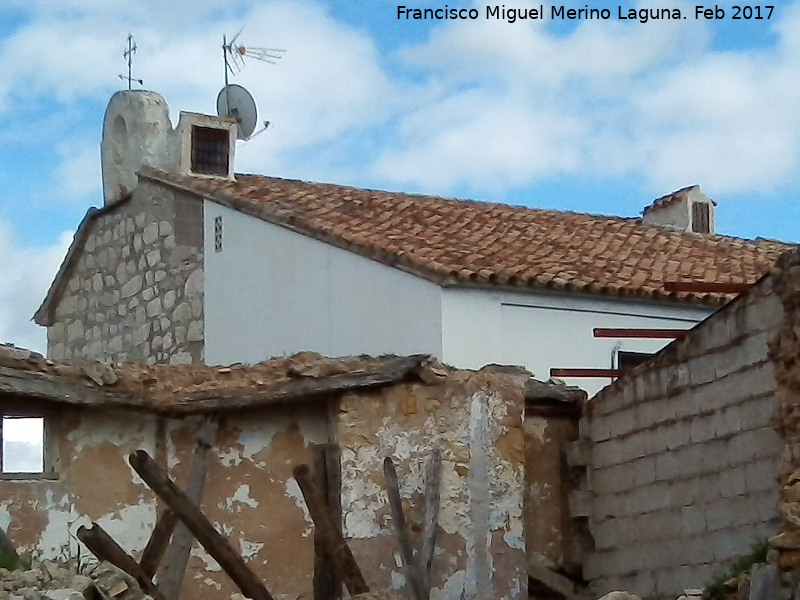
(687, 210)
(137, 132)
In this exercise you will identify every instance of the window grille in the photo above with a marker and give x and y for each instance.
(218, 234)
(210, 151)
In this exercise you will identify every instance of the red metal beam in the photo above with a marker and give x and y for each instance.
(622, 332)
(706, 287)
(586, 373)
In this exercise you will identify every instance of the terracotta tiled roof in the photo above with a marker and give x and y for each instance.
(454, 242)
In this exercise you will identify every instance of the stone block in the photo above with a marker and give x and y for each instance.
(131, 287)
(150, 233)
(195, 332)
(154, 307)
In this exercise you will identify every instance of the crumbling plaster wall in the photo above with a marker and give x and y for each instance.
(136, 291)
(250, 495)
(475, 419)
(684, 456)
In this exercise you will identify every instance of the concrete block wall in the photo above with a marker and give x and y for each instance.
(684, 455)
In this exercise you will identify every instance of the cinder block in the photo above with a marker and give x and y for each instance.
(718, 516)
(731, 482)
(579, 453)
(644, 471)
(757, 412)
(698, 550)
(714, 456)
(702, 429)
(761, 476)
(693, 520)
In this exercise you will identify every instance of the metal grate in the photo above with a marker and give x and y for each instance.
(218, 234)
(210, 150)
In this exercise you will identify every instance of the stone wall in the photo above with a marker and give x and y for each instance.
(684, 456)
(136, 291)
(785, 352)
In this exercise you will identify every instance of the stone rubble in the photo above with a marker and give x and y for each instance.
(50, 581)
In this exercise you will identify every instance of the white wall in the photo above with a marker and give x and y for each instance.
(273, 292)
(541, 331)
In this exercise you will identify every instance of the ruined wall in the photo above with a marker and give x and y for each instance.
(250, 495)
(476, 421)
(785, 353)
(136, 292)
(684, 456)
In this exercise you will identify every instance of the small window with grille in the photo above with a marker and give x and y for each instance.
(210, 151)
(701, 217)
(218, 234)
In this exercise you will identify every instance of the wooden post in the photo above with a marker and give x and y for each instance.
(194, 519)
(105, 548)
(433, 478)
(410, 564)
(327, 583)
(171, 579)
(158, 542)
(329, 535)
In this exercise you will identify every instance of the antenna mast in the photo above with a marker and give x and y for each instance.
(128, 54)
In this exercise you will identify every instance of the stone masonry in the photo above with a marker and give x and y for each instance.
(684, 455)
(136, 291)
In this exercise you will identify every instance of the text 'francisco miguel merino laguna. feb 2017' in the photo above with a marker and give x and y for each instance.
(500, 12)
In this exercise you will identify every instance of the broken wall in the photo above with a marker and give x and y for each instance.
(135, 289)
(475, 419)
(684, 456)
(250, 495)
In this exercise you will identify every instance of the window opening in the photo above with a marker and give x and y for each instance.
(628, 360)
(210, 150)
(701, 218)
(22, 445)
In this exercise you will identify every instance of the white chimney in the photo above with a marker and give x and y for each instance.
(687, 210)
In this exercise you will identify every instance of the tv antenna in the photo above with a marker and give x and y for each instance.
(128, 54)
(234, 55)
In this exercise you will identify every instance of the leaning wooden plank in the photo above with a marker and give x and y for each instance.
(7, 546)
(433, 478)
(105, 548)
(410, 565)
(213, 542)
(158, 542)
(339, 551)
(171, 579)
(306, 389)
(327, 585)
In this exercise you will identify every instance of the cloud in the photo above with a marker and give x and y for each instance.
(517, 104)
(25, 276)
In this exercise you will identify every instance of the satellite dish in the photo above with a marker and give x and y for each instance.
(236, 102)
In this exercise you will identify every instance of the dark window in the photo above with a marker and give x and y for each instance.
(627, 360)
(210, 150)
(701, 218)
(218, 234)
(23, 447)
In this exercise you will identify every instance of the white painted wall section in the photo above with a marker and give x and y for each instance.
(542, 331)
(273, 292)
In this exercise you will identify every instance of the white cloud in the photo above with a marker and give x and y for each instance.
(78, 174)
(25, 276)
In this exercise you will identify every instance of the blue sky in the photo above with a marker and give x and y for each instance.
(595, 116)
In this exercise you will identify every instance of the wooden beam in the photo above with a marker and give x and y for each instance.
(297, 390)
(158, 542)
(712, 287)
(171, 578)
(622, 332)
(327, 584)
(410, 565)
(329, 535)
(586, 373)
(213, 542)
(433, 478)
(539, 390)
(105, 548)
(67, 390)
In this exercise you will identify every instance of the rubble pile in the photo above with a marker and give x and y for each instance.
(49, 581)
